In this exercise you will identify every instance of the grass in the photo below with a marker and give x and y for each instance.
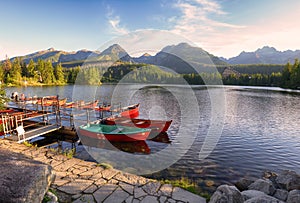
(105, 165)
(47, 198)
(69, 153)
(28, 144)
(182, 183)
(188, 185)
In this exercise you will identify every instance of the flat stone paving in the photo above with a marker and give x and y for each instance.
(81, 181)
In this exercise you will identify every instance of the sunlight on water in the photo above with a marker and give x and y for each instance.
(261, 131)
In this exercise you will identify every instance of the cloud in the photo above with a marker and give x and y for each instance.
(200, 22)
(195, 18)
(204, 23)
(114, 22)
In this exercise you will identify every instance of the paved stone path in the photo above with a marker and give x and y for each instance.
(81, 181)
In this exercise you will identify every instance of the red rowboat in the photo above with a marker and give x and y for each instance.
(90, 105)
(50, 102)
(130, 111)
(154, 125)
(103, 108)
(113, 133)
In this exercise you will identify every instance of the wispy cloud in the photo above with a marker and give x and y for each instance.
(114, 22)
(200, 22)
(196, 20)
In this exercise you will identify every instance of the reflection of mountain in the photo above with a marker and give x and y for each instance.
(130, 147)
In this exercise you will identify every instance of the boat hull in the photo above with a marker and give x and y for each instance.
(138, 135)
(131, 112)
(155, 125)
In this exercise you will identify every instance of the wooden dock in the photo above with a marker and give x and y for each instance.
(33, 133)
(31, 120)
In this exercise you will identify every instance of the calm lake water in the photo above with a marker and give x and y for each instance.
(261, 129)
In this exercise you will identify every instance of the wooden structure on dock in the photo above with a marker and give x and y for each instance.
(28, 122)
(31, 118)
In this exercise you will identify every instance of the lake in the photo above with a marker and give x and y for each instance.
(261, 130)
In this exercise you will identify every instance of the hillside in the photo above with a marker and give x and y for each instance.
(112, 53)
(265, 55)
(182, 58)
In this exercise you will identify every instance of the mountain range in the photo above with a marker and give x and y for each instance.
(181, 57)
(265, 55)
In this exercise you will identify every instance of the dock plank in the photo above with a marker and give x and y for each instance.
(34, 133)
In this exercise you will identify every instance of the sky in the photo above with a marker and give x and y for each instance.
(222, 27)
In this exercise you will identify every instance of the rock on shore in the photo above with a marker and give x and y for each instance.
(271, 188)
(23, 179)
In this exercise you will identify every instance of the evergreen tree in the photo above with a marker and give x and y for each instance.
(1, 74)
(15, 72)
(59, 74)
(7, 65)
(31, 69)
(286, 75)
(48, 73)
(3, 98)
(40, 70)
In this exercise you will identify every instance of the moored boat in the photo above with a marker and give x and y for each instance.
(90, 105)
(130, 111)
(104, 107)
(50, 101)
(154, 125)
(114, 133)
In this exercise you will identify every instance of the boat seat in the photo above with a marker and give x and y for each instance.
(118, 130)
(140, 122)
(125, 121)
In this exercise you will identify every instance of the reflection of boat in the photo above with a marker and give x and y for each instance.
(114, 133)
(130, 147)
(162, 137)
(155, 125)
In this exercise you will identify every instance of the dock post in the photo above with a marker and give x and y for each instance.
(3, 124)
(87, 116)
(42, 104)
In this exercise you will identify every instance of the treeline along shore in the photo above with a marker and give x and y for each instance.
(44, 72)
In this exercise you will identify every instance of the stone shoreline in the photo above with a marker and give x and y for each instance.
(82, 181)
(283, 187)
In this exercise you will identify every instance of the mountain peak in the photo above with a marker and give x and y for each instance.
(146, 55)
(267, 49)
(265, 55)
(113, 49)
(51, 49)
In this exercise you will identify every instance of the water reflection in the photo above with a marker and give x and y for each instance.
(129, 147)
(261, 132)
(59, 140)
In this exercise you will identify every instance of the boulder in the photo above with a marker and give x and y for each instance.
(288, 180)
(271, 176)
(263, 199)
(23, 179)
(244, 183)
(281, 194)
(228, 194)
(248, 194)
(293, 197)
(265, 186)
